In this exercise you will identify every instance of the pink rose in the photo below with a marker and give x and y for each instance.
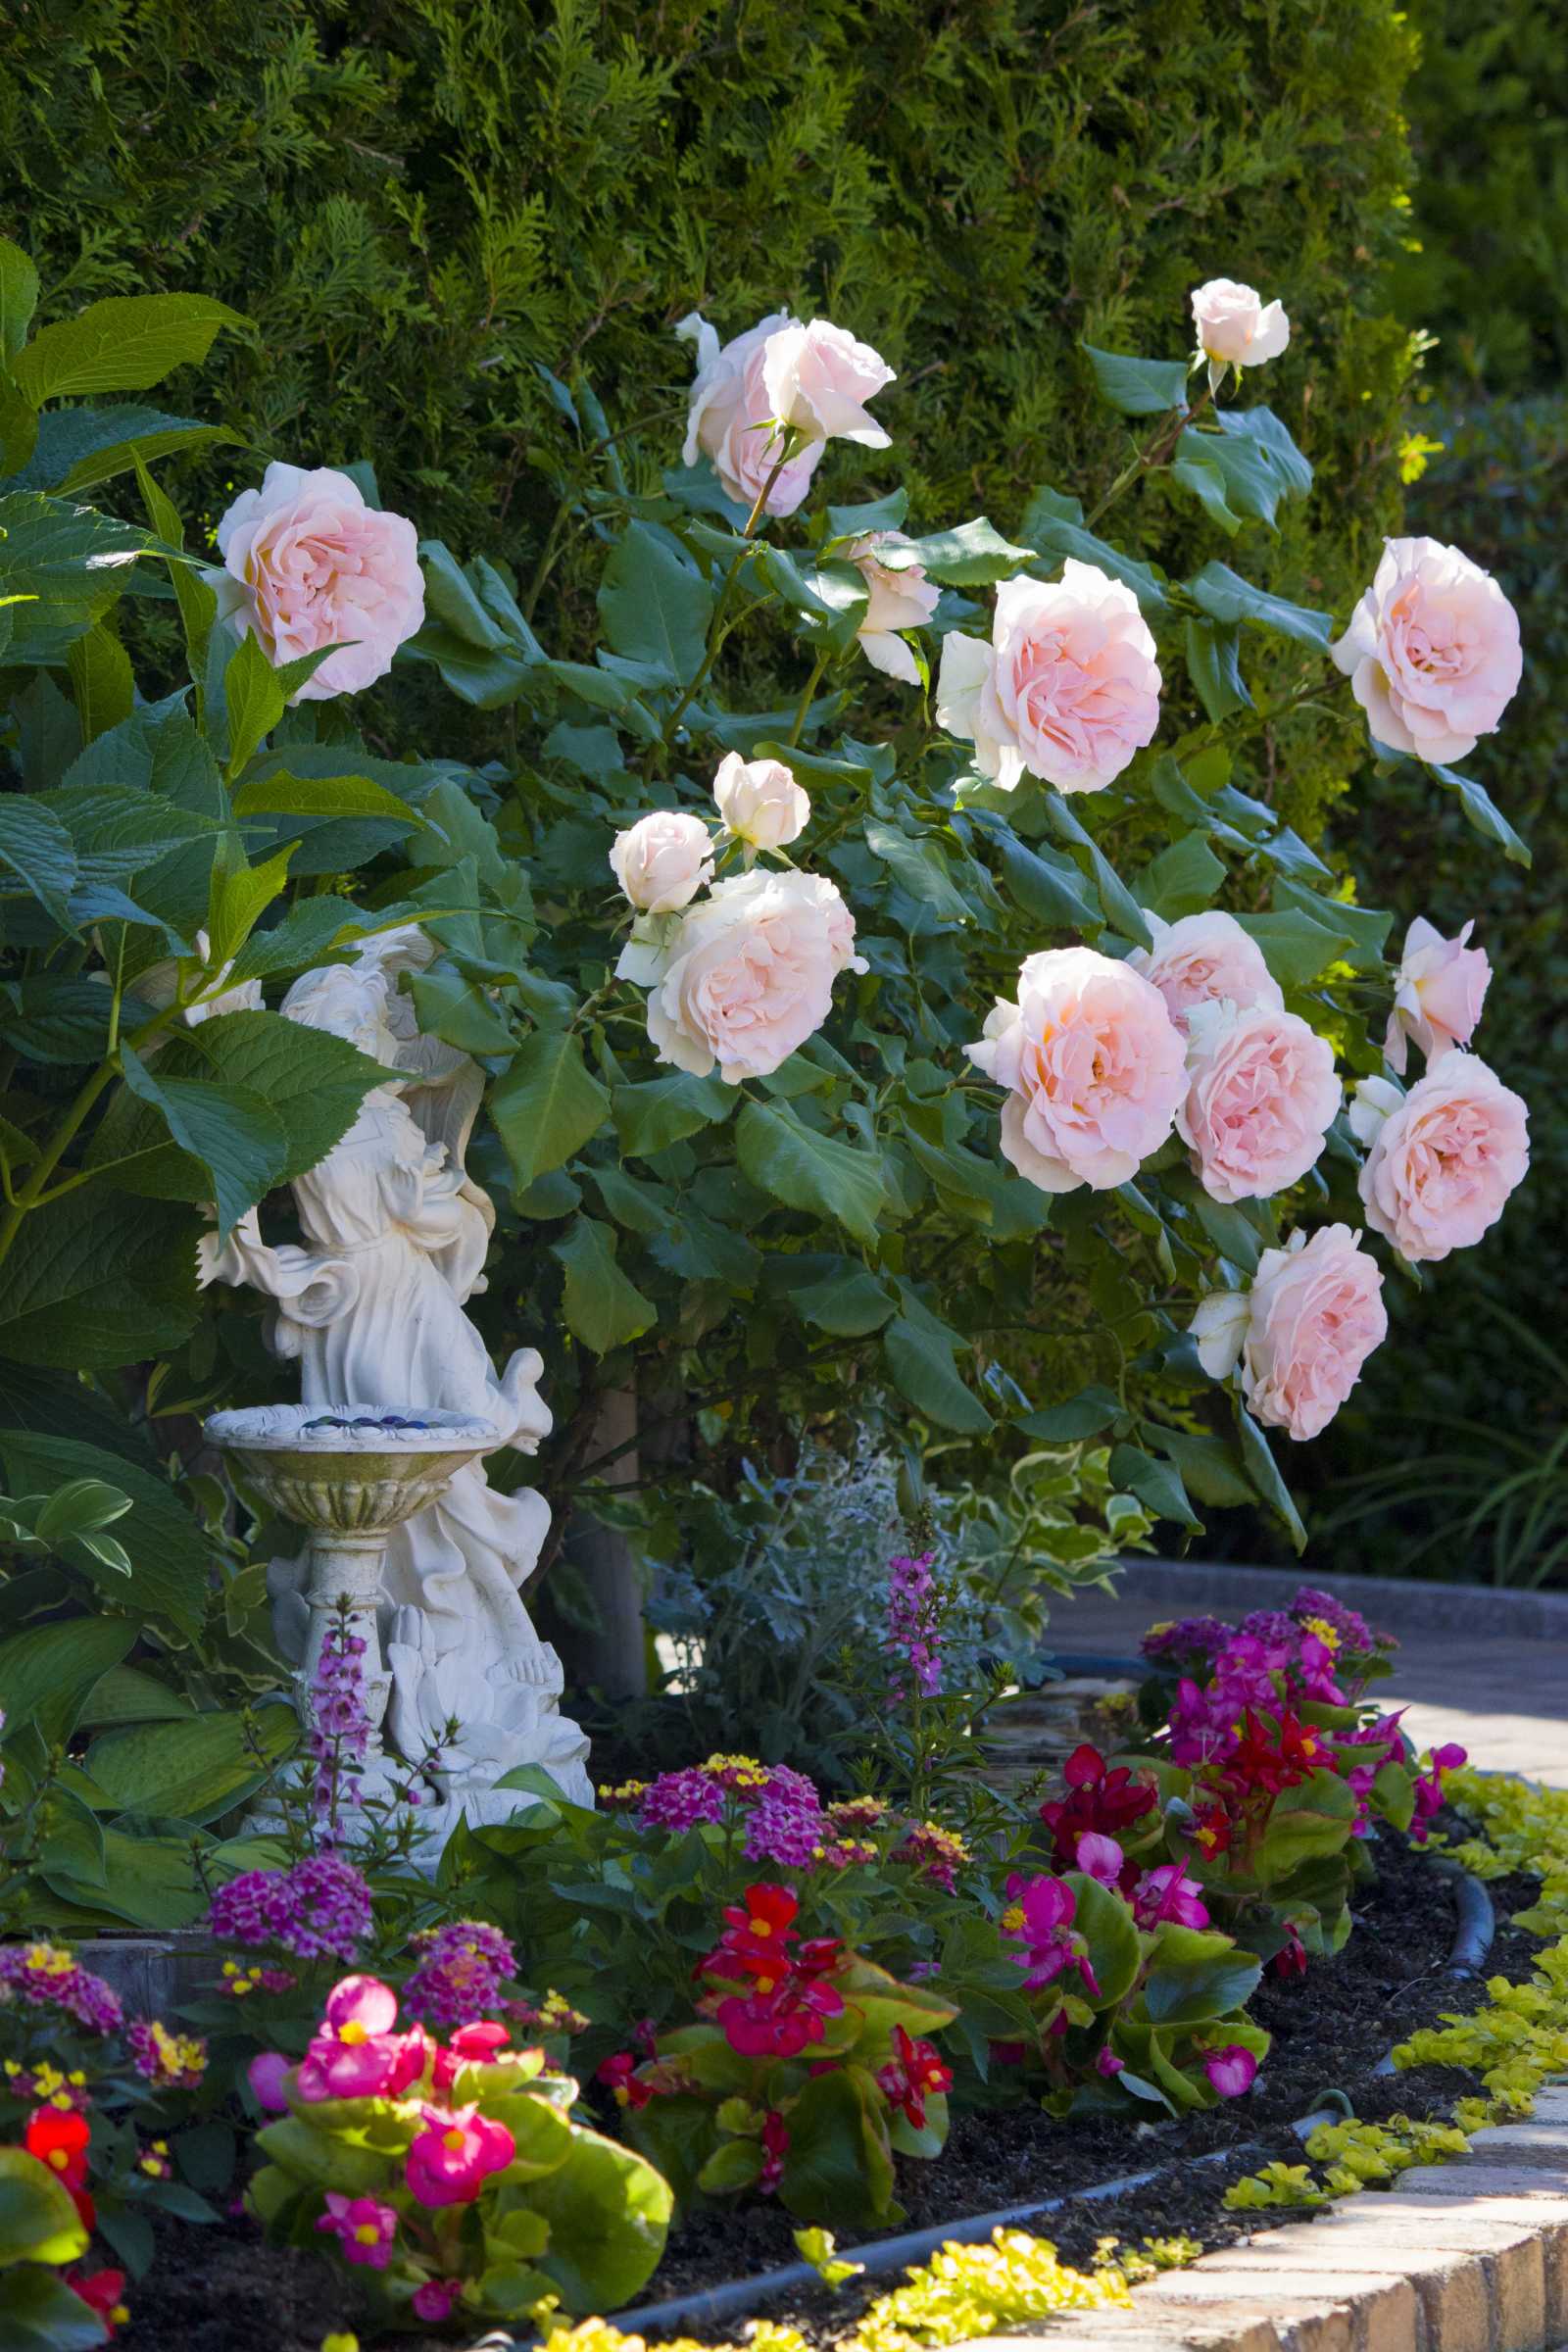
(1302, 1334)
(1439, 991)
(1201, 959)
(1068, 689)
(760, 802)
(1432, 652)
(1094, 1068)
(1445, 1159)
(818, 379)
(749, 977)
(730, 416)
(1261, 1097)
(1235, 328)
(309, 563)
(662, 861)
(898, 596)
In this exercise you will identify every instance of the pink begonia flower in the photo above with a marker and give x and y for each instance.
(434, 2300)
(1443, 1158)
(308, 564)
(479, 2044)
(1432, 652)
(898, 597)
(760, 802)
(1429, 1786)
(662, 861)
(1261, 1097)
(1169, 1893)
(355, 2054)
(1232, 2071)
(1204, 958)
(450, 2161)
(1107, 2063)
(1067, 690)
(1439, 991)
(1098, 1857)
(818, 379)
(730, 419)
(1236, 328)
(749, 974)
(364, 2229)
(266, 2075)
(1302, 1334)
(1094, 1067)
(1040, 1914)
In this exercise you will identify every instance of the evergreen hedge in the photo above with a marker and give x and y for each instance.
(416, 205)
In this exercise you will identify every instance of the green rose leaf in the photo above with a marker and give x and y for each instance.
(654, 606)
(1214, 668)
(1230, 599)
(548, 1104)
(973, 555)
(808, 1170)
(1054, 525)
(1137, 387)
(603, 1307)
(1482, 812)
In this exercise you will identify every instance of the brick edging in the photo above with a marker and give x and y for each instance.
(1464, 2257)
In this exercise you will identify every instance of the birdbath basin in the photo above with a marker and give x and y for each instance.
(350, 1474)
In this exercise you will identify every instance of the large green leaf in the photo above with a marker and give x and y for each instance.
(239, 1140)
(311, 1083)
(659, 1111)
(47, 1671)
(609, 2214)
(36, 847)
(838, 2169)
(80, 447)
(602, 1306)
(70, 561)
(1106, 1926)
(1305, 1824)
(1121, 907)
(38, 2222)
(125, 343)
(1054, 525)
(972, 555)
(922, 1364)
(919, 864)
(654, 606)
(1240, 466)
(95, 1280)
(1195, 1977)
(1482, 812)
(548, 1104)
(18, 298)
(1296, 946)
(806, 1170)
(1230, 601)
(194, 1770)
(170, 1559)
(1137, 387)
(45, 2315)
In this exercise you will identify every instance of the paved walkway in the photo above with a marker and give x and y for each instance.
(1489, 1670)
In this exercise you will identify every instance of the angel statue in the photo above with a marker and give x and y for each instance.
(396, 1235)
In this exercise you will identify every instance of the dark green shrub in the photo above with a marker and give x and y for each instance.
(416, 206)
(1483, 269)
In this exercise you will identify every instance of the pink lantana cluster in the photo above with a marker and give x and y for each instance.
(463, 1966)
(318, 1909)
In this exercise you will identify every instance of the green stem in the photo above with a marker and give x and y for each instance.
(805, 702)
(1152, 454)
(718, 627)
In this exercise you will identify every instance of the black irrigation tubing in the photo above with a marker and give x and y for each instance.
(737, 2298)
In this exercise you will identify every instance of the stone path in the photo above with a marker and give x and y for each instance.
(1486, 1669)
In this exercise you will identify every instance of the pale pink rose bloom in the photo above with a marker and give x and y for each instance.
(818, 379)
(730, 419)
(1071, 691)
(1236, 327)
(1302, 1334)
(964, 709)
(760, 802)
(1094, 1068)
(1444, 1160)
(1204, 958)
(1432, 652)
(662, 861)
(749, 974)
(1439, 991)
(1261, 1097)
(309, 563)
(896, 600)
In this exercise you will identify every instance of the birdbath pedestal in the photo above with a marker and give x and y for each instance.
(348, 1474)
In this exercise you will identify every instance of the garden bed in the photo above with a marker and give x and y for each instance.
(226, 2291)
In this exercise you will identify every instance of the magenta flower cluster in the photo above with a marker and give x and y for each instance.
(45, 1976)
(464, 1964)
(914, 1640)
(784, 1819)
(318, 1909)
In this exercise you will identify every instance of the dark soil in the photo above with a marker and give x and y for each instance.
(226, 2291)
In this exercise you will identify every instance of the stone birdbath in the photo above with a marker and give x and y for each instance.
(348, 1474)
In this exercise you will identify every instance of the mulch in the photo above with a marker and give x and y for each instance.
(223, 2291)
